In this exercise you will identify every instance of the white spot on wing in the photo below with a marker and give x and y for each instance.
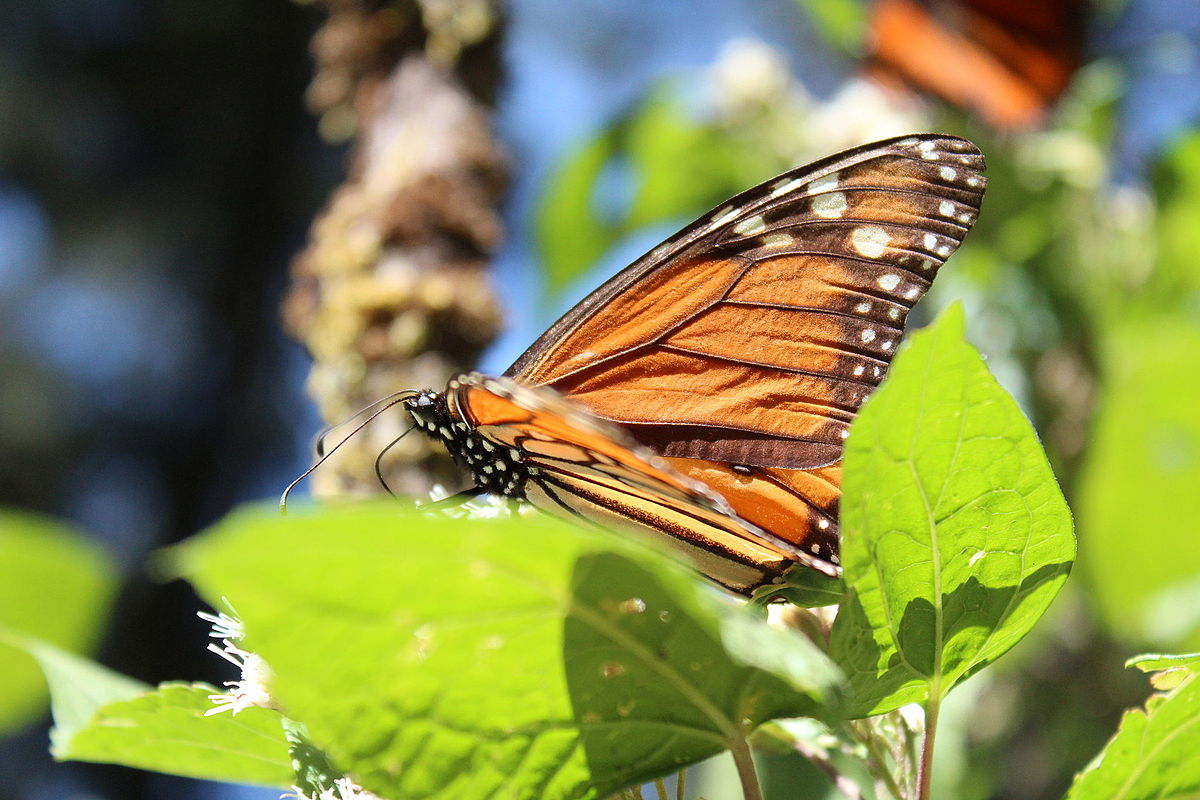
(829, 206)
(786, 185)
(930, 241)
(722, 216)
(858, 370)
(868, 336)
(870, 240)
(948, 173)
(946, 208)
(825, 183)
(863, 308)
(777, 240)
(889, 281)
(751, 227)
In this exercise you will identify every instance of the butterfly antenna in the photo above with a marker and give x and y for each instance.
(379, 461)
(388, 402)
(318, 445)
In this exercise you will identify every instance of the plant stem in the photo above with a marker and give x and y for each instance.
(751, 790)
(680, 783)
(660, 788)
(877, 761)
(925, 771)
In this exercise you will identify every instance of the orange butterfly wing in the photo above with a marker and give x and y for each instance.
(583, 467)
(742, 347)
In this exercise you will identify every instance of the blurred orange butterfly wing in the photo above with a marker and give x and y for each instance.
(1005, 60)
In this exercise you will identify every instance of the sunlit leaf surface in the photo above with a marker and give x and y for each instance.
(955, 534)
(1155, 754)
(519, 657)
(106, 717)
(55, 585)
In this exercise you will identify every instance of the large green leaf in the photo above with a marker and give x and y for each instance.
(955, 534)
(521, 657)
(106, 717)
(54, 585)
(1143, 467)
(1155, 754)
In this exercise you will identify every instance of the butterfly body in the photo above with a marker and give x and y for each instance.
(496, 469)
(704, 393)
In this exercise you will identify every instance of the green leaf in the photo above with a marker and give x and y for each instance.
(106, 717)
(1154, 662)
(1155, 754)
(78, 687)
(684, 167)
(1142, 467)
(570, 233)
(955, 534)
(166, 731)
(1167, 671)
(521, 657)
(54, 585)
(843, 23)
(680, 167)
(804, 587)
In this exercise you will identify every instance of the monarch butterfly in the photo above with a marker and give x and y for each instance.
(703, 393)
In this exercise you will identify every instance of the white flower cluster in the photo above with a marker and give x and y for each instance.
(751, 89)
(342, 789)
(253, 688)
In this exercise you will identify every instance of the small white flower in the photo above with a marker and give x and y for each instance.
(224, 626)
(342, 789)
(487, 506)
(254, 687)
(349, 790)
(748, 73)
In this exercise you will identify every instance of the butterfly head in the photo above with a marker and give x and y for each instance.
(495, 468)
(428, 410)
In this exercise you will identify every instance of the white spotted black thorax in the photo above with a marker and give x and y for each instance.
(495, 468)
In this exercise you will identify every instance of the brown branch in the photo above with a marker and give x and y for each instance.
(392, 291)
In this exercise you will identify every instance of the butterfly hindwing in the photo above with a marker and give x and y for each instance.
(577, 465)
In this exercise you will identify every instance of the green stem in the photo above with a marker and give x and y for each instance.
(878, 762)
(660, 788)
(925, 771)
(751, 789)
(680, 783)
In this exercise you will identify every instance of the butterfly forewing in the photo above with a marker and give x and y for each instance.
(743, 346)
